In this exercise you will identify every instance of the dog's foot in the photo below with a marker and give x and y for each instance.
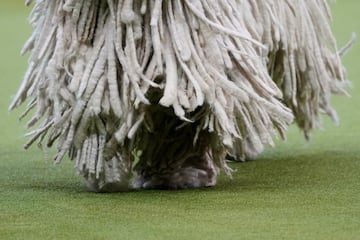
(94, 185)
(113, 176)
(188, 177)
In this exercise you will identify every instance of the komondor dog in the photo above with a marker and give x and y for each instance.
(156, 93)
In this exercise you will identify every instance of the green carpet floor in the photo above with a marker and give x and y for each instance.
(298, 190)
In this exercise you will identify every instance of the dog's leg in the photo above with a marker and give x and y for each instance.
(174, 154)
(245, 151)
(194, 173)
(103, 170)
(113, 177)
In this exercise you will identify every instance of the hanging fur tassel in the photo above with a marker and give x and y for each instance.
(154, 94)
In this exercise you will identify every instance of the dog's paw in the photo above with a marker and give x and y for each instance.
(95, 185)
(191, 177)
(188, 177)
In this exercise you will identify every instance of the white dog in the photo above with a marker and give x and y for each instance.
(155, 93)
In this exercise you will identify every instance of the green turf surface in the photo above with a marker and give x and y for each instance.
(295, 191)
